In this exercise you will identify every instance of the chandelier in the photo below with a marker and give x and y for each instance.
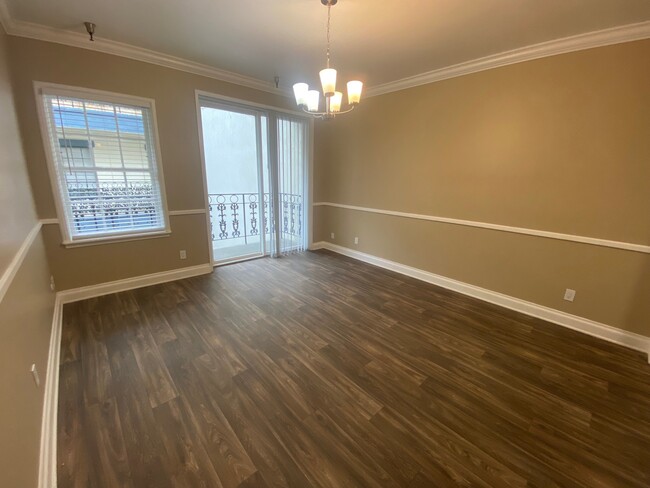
(309, 100)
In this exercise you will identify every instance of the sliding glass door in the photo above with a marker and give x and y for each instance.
(256, 167)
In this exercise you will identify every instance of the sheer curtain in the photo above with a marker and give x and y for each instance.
(288, 173)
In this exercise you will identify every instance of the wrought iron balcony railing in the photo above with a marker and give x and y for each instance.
(232, 215)
(237, 215)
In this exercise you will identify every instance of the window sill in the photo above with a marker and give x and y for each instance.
(98, 241)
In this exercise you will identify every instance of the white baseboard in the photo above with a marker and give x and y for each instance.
(47, 463)
(85, 292)
(581, 324)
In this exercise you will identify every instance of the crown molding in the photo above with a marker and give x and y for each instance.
(606, 37)
(79, 40)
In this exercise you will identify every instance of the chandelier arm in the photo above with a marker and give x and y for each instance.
(323, 115)
(341, 112)
(318, 114)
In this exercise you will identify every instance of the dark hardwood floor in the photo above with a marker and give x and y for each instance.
(318, 370)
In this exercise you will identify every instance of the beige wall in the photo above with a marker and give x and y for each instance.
(558, 144)
(17, 215)
(173, 92)
(77, 266)
(26, 308)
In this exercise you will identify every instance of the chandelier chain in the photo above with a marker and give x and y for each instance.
(329, 16)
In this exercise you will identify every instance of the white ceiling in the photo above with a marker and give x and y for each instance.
(376, 41)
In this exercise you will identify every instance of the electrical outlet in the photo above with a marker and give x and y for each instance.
(356, 240)
(52, 285)
(37, 379)
(332, 235)
(569, 295)
(183, 254)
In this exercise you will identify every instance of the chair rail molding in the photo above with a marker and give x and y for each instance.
(594, 241)
(192, 211)
(14, 265)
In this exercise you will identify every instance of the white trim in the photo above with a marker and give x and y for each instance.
(238, 259)
(80, 40)
(310, 187)
(106, 240)
(599, 38)
(41, 88)
(246, 104)
(589, 40)
(318, 245)
(96, 95)
(47, 465)
(193, 211)
(10, 273)
(628, 246)
(172, 213)
(581, 324)
(204, 177)
(204, 98)
(47, 455)
(115, 239)
(48, 449)
(85, 292)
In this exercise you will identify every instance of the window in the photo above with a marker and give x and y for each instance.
(104, 163)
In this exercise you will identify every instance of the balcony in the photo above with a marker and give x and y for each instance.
(239, 222)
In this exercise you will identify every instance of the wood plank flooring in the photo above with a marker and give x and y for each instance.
(315, 370)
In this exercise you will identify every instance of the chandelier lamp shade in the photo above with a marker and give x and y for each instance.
(309, 100)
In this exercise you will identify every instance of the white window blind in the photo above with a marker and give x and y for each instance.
(107, 173)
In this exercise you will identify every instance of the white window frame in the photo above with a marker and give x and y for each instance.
(41, 88)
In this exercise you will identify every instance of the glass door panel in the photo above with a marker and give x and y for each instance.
(234, 157)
